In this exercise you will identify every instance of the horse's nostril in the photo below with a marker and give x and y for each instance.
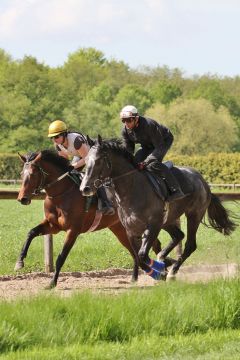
(87, 191)
(24, 201)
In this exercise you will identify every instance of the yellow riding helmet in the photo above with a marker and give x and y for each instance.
(56, 127)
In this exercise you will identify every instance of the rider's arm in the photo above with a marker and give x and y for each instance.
(127, 142)
(61, 153)
(82, 149)
(161, 138)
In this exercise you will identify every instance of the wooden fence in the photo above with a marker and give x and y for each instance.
(48, 239)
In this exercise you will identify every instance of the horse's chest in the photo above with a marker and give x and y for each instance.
(58, 217)
(131, 221)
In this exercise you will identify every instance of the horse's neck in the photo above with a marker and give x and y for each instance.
(53, 173)
(124, 176)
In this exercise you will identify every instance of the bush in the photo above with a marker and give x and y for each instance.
(215, 167)
(220, 168)
(10, 166)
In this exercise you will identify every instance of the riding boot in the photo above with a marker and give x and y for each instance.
(172, 183)
(105, 205)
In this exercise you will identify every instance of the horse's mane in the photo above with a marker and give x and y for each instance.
(118, 147)
(52, 157)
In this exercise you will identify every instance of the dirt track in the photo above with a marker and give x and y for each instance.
(111, 280)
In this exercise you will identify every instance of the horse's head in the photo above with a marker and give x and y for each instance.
(98, 168)
(33, 177)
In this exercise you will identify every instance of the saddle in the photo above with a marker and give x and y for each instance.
(158, 183)
(162, 182)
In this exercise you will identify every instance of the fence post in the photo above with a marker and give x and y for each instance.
(48, 253)
(48, 250)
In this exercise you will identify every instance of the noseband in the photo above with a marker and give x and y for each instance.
(108, 181)
(104, 181)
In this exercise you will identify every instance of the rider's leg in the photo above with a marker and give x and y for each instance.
(171, 181)
(106, 206)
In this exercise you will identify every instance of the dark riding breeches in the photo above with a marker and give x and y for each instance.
(165, 173)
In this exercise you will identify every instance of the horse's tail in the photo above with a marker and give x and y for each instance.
(219, 217)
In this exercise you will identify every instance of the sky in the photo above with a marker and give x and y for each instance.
(196, 36)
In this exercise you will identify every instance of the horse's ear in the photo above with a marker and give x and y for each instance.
(90, 141)
(99, 138)
(38, 157)
(23, 159)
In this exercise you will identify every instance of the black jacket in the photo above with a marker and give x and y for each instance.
(152, 136)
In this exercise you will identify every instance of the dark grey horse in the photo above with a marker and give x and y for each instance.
(143, 213)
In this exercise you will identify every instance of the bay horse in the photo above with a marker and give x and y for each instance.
(143, 213)
(64, 207)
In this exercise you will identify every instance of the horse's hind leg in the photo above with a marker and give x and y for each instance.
(176, 237)
(193, 222)
(156, 246)
(121, 234)
(41, 229)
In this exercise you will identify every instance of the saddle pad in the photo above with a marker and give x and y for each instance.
(158, 184)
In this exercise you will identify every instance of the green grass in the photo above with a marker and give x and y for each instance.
(214, 345)
(99, 250)
(171, 321)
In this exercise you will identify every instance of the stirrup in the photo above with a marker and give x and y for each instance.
(176, 195)
(107, 210)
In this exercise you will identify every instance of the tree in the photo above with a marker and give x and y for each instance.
(92, 118)
(165, 92)
(197, 127)
(134, 95)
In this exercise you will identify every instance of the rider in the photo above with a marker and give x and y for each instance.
(75, 144)
(155, 140)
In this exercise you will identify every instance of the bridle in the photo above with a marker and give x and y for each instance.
(42, 184)
(109, 181)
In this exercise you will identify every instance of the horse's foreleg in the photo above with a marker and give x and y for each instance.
(41, 229)
(68, 244)
(121, 234)
(155, 269)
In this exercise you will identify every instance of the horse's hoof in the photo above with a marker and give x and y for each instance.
(19, 265)
(171, 277)
(51, 286)
(163, 275)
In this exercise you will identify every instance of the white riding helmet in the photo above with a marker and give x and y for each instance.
(128, 111)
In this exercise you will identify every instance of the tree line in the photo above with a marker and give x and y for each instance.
(89, 90)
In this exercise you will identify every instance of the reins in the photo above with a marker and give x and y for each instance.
(108, 181)
(44, 174)
(58, 179)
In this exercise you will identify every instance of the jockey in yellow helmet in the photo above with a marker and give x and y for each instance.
(75, 145)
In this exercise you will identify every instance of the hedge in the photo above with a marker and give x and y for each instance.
(10, 166)
(216, 168)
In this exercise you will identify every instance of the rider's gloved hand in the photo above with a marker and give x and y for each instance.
(70, 168)
(141, 165)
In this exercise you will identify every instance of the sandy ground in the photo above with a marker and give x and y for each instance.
(111, 280)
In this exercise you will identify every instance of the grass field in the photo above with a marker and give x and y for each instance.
(99, 250)
(176, 321)
(173, 321)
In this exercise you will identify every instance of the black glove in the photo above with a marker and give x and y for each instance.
(141, 165)
(70, 168)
